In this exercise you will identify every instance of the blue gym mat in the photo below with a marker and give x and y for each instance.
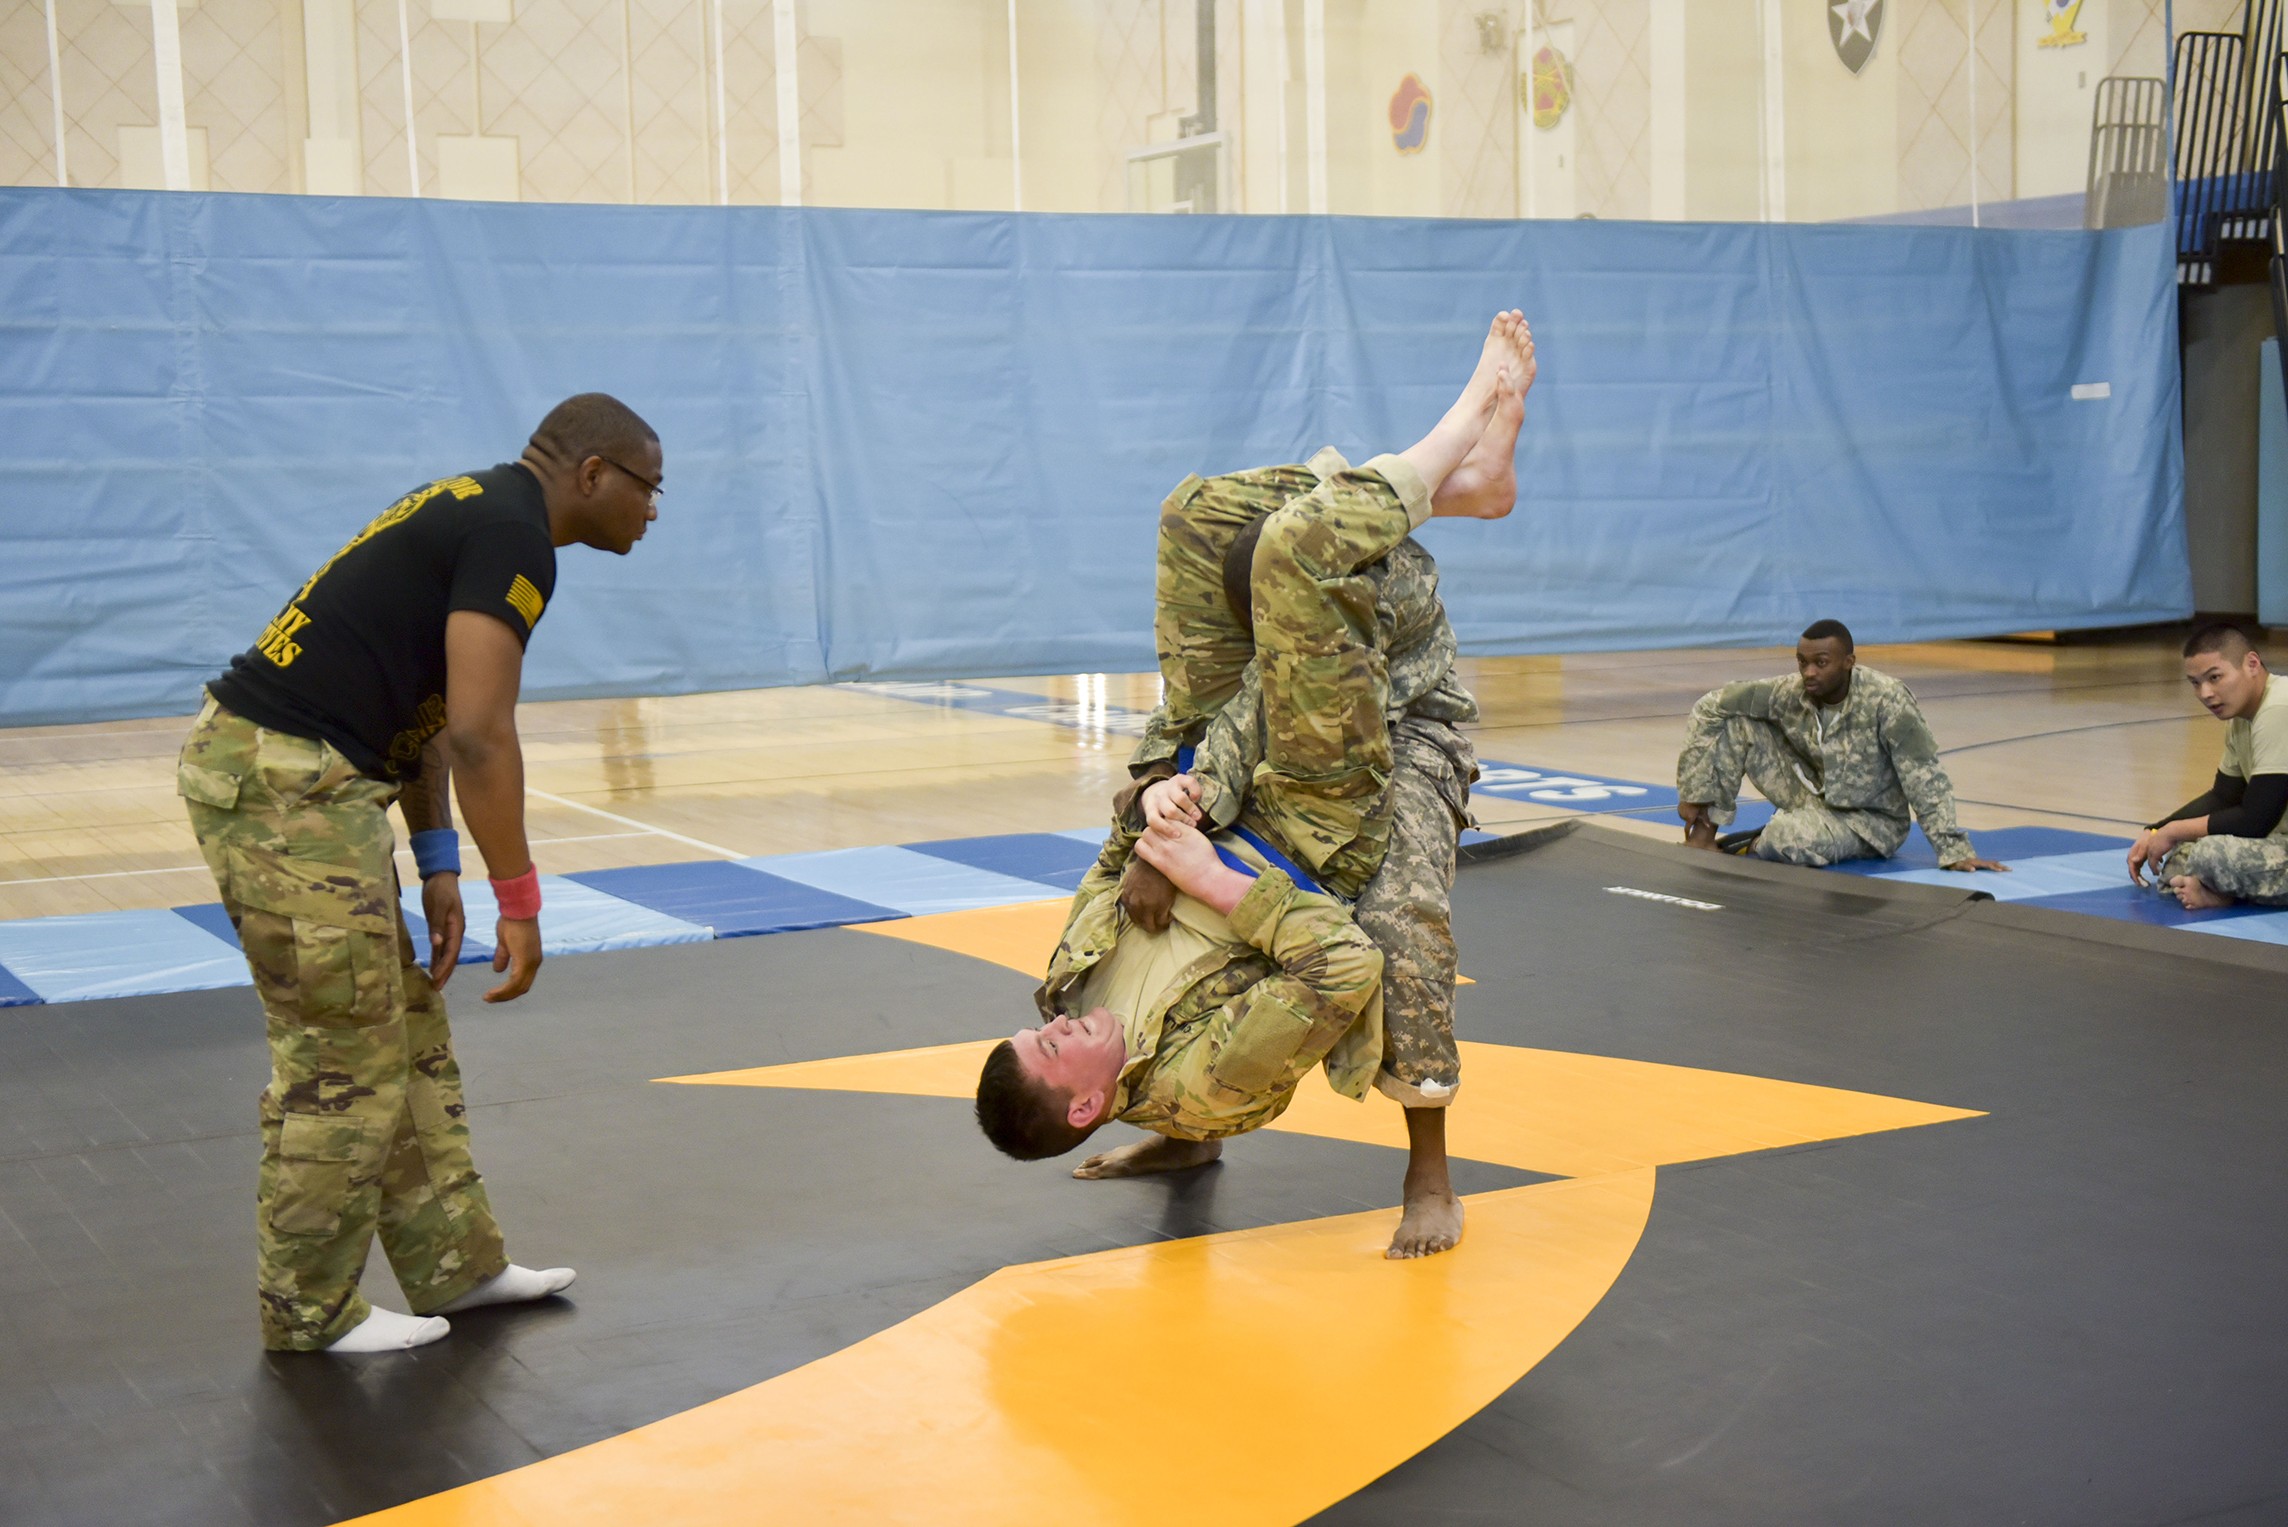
(910, 884)
(114, 954)
(731, 900)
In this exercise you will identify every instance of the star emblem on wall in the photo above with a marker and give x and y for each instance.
(1853, 26)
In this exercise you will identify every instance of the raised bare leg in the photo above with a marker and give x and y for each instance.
(1153, 1153)
(1484, 486)
(1432, 1220)
(1438, 453)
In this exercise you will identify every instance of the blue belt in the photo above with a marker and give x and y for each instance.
(1271, 856)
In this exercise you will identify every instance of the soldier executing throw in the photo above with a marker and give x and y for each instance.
(1841, 751)
(1309, 725)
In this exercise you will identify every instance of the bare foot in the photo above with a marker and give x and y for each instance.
(1484, 486)
(1521, 339)
(1700, 834)
(1500, 350)
(2196, 895)
(1432, 1223)
(1154, 1153)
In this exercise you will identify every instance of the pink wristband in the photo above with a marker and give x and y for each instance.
(519, 898)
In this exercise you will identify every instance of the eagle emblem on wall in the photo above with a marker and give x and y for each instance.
(2061, 15)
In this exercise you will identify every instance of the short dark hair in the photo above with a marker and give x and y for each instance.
(1020, 1116)
(592, 424)
(1239, 570)
(1823, 630)
(2222, 637)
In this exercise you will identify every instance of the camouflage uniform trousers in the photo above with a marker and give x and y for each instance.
(1407, 909)
(2246, 869)
(363, 1123)
(1322, 789)
(1203, 645)
(1802, 829)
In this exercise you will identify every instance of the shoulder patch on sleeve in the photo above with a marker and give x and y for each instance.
(526, 600)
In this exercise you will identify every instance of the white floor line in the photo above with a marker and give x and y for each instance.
(403, 853)
(177, 869)
(661, 832)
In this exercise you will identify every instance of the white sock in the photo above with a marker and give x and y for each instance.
(387, 1331)
(511, 1284)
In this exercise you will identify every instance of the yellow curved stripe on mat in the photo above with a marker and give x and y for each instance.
(1048, 1392)
(1022, 936)
(1547, 1111)
(1040, 1393)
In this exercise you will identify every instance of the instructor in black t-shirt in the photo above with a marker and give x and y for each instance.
(392, 671)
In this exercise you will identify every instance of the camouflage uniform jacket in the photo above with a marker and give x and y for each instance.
(1876, 759)
(1223, 1047)
(1412, 633)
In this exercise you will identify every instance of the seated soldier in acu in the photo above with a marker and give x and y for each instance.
(1842, 753)
(1201, 1028)
(2230, 843)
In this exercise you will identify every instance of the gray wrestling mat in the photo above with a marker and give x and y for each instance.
(2067, 1310)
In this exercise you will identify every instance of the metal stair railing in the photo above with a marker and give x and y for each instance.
(2278, 112)
(2228, 138)
(2128, 154)
(2211, 123)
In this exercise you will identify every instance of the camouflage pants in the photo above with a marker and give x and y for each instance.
(2246, 869)
(1407, 909)
(1802, 829)
(1203, 645)
(1323, 786)
(363, 1125)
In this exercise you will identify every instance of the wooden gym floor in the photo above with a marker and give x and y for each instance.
(2098, 737)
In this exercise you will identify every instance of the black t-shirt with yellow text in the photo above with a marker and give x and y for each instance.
(357, 657)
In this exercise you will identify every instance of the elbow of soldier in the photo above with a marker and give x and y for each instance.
(473, 748)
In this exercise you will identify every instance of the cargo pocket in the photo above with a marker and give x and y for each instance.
(209, 787)
(344, 977)
(360, 897)
(1260, 1047)
(316, 1157)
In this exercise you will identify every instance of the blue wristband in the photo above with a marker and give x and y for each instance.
(437, 852)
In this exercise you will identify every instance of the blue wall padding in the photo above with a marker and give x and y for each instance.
(915, 444)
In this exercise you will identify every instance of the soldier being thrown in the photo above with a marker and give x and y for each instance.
(398, 659)
(1842, 752)
(1201, 1027)
(2230, 843)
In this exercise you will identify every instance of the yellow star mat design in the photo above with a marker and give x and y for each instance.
(1042, 1391)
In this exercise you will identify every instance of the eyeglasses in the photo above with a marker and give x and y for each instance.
(638, 476)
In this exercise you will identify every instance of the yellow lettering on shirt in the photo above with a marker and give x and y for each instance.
(396, 514)
(428, 721)
(277, 643)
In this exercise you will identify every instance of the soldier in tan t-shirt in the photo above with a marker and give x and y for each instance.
(2230, 843)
